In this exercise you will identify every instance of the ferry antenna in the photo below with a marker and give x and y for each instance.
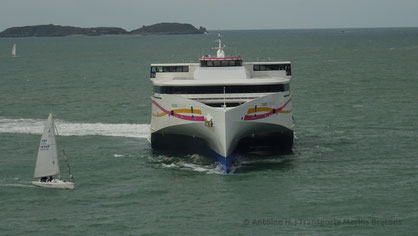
(220, 52)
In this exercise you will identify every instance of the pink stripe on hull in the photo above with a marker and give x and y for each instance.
(265, 115)
(182, 117)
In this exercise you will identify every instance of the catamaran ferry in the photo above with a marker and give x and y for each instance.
(222, 106)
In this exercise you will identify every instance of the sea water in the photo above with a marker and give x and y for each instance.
(353, 171)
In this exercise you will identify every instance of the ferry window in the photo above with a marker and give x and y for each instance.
(220, 89)
(288, 69)
(286, 87)
(155, 69)
(220, 63)
(269, 67)
(263, 67)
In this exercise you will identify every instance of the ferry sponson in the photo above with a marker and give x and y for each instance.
(59, 31)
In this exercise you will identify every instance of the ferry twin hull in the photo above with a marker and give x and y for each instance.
(191, 126)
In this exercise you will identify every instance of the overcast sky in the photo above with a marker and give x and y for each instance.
(212, 14)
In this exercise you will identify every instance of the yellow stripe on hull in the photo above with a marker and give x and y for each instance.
(178, 111)
(265, 109)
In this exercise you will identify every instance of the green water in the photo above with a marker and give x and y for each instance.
(353, 171)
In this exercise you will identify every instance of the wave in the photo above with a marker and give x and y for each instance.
(193, 162)
(208, 169)
(65, 128)
(17, 185)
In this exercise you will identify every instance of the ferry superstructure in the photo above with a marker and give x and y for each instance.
(222, 105)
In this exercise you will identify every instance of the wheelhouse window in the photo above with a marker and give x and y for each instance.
(172, 69)
(220, 62)
(269, 67)
(221, 89)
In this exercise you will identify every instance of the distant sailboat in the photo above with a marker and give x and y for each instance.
(47, 165)
(14, 50)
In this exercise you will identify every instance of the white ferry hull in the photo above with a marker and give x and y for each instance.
(267, 119)
(56, 183)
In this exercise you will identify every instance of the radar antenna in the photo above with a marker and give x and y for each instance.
(220, 52)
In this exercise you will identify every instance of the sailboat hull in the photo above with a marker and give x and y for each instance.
(56, 183)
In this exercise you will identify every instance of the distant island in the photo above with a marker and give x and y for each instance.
(169, 28)
(59, 31)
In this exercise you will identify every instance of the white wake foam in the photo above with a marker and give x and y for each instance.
(18, 185)
(65, 128)
(208, 169)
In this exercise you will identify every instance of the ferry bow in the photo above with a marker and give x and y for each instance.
(221, 106)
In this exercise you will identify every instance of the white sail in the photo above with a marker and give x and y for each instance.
(14, 50)
(47, 161)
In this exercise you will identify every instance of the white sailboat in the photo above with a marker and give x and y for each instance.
(14, 50)
(47, 171)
